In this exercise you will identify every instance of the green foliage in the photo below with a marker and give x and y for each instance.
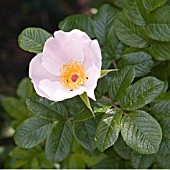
(80, 21)
(164, 154)
(120, 83)
(33, 39)
(122, 149)
(84, 133)
(141, 93)
(150, 5)
(32, 131)
(129, 33)
(140, 161)
(59, 141)
(134, 11)
(108, 129)
(158, 27)
(141, 60)
(30, 159)
(16, 107)
(141, 132)
(134, 43)
(102, 21)
(42, 108)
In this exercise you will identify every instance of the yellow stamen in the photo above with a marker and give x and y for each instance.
(72, 75)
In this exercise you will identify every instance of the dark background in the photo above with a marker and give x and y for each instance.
(15, 15)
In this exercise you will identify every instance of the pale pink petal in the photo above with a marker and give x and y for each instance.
(57, 92)
(93, 74)
(73, 49)
(38, 73)
(92, 55)
(61, 35)
(60, 50)
(53, 56)
(79, 35)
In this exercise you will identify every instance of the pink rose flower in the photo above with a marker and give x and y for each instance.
(69, 65)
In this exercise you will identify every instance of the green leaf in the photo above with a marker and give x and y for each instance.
(32, 132)
(141, 93)
(165, 124)
(121, 148)
(141, 132)
(86, 100)
(129, 33)
(164, 154)
(34, 163)
(78, 109)
(44, 162)
(159, 24)
(101, 106)
(15, 108)
(108, 129)
(59, 141)
(160, 51)
(25, 89)
(163, 96)
(102, 22)
(160, 32)
(112, 49)
(140, 161)
(104, 82)
(141, 60)
(84, 133)
(119, 84)
(164, 74)
(33, 39)
(161, 110)
(133, 9)
(76, 162)
(93, 159)
(81, 22)
(42, 108)
(18, 164)
(108, 163)
(151, 5)
(20, 153)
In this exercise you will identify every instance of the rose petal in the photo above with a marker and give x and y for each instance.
(37, 73)
(60, 50)
(93, 74)
(57, 92)
(92, 55)
(79, 36)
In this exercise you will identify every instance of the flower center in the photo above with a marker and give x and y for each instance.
(72, 75)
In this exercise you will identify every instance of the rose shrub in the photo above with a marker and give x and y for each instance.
(126, 125)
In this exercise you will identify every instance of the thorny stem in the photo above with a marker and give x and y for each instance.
(114, 64)
(113, 105)
(70, 118)
(110, 101)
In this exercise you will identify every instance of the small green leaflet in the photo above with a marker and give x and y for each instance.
(84, 133)
(33, 39)
(121, 82)
(164, 154)
(141, 161)
(108, 129)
